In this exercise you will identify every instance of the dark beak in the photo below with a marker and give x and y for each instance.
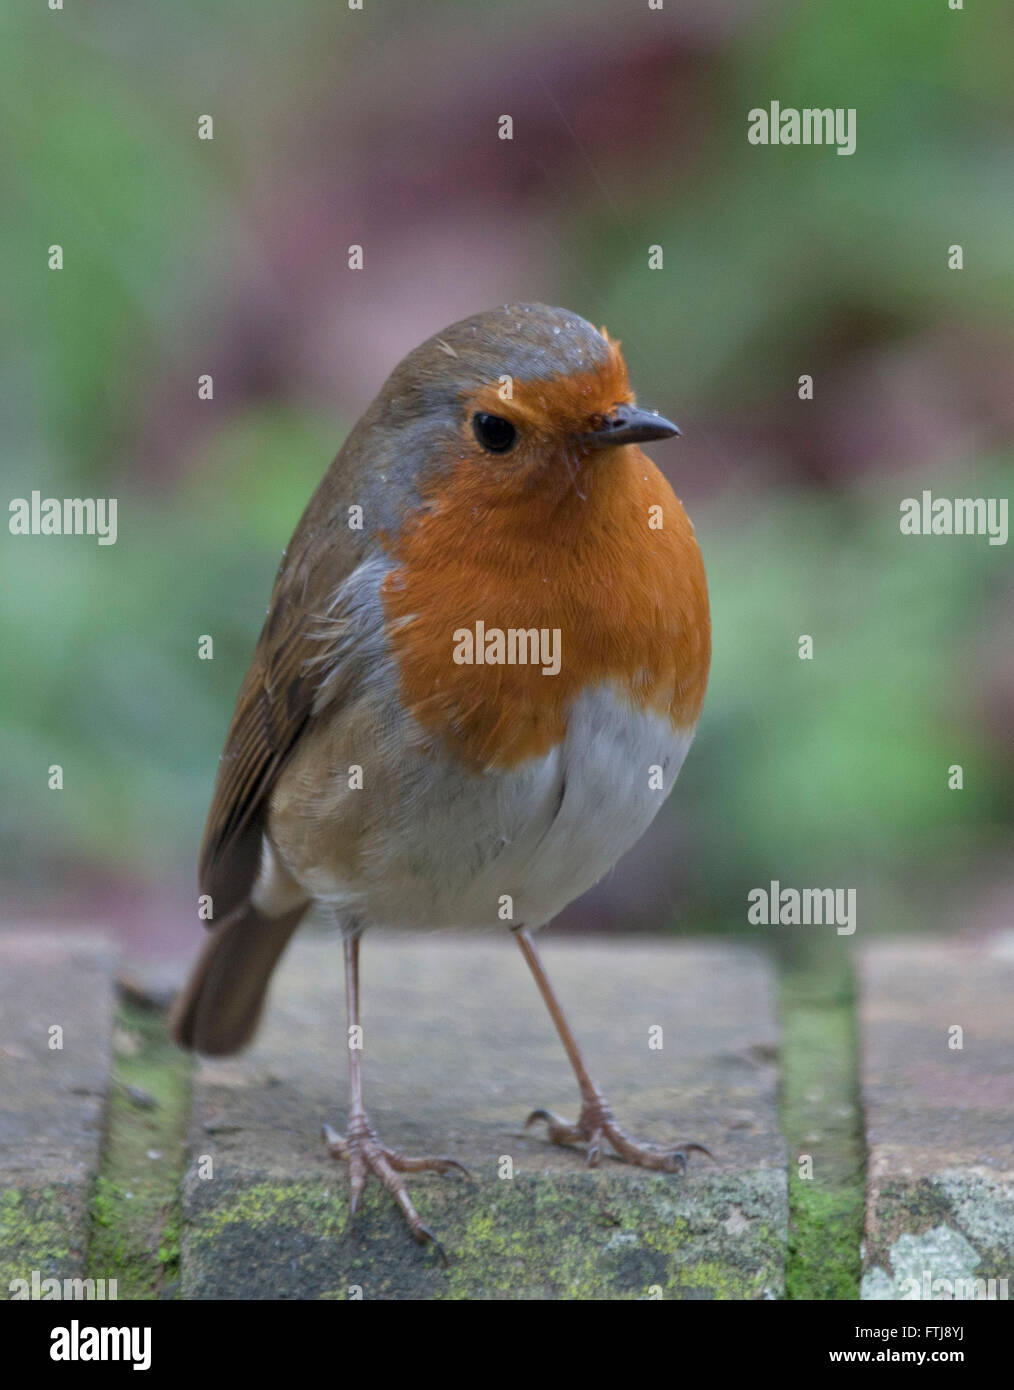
(628, 424)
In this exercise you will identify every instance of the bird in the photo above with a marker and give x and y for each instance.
(482, 666)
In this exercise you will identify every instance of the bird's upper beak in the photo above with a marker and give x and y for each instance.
(628, 424)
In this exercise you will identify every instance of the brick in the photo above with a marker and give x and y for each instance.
(939, 1119)
(53, 1099)
(458, 1049)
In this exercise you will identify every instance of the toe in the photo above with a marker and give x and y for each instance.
(357, 1181)
(560, 1131)
(437, 1164)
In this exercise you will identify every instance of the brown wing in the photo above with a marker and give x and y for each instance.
(275, 701)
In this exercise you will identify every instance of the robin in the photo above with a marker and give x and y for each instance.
(482, 666)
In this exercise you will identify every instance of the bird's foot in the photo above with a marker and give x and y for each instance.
(596, 1124)
(360, 1148)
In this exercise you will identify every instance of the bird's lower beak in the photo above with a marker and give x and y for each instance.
(627, 424)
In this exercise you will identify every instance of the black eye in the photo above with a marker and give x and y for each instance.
(494, 432)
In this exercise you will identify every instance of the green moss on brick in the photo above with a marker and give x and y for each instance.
(135, 1205)
(558, 1235)
(33, 1234)
(821, 1117)
(824, 1254)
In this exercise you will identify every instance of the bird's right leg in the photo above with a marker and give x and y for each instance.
(359, 1146)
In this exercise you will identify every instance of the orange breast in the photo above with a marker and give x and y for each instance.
(616, 571)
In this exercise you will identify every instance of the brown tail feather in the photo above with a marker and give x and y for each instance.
(219, 1007)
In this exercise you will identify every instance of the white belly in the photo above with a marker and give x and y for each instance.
(512, 848)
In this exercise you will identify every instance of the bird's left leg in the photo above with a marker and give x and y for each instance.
(595, 1122)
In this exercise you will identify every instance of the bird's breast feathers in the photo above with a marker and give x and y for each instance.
(611, 579)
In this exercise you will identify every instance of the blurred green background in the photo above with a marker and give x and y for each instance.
(229, 257)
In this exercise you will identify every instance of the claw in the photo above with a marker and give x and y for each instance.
(425, 1236)
(363, 1152)
(594, 1150)
(460, 1168)
(596, 1122)
(334, 1142)
(679, 1156)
